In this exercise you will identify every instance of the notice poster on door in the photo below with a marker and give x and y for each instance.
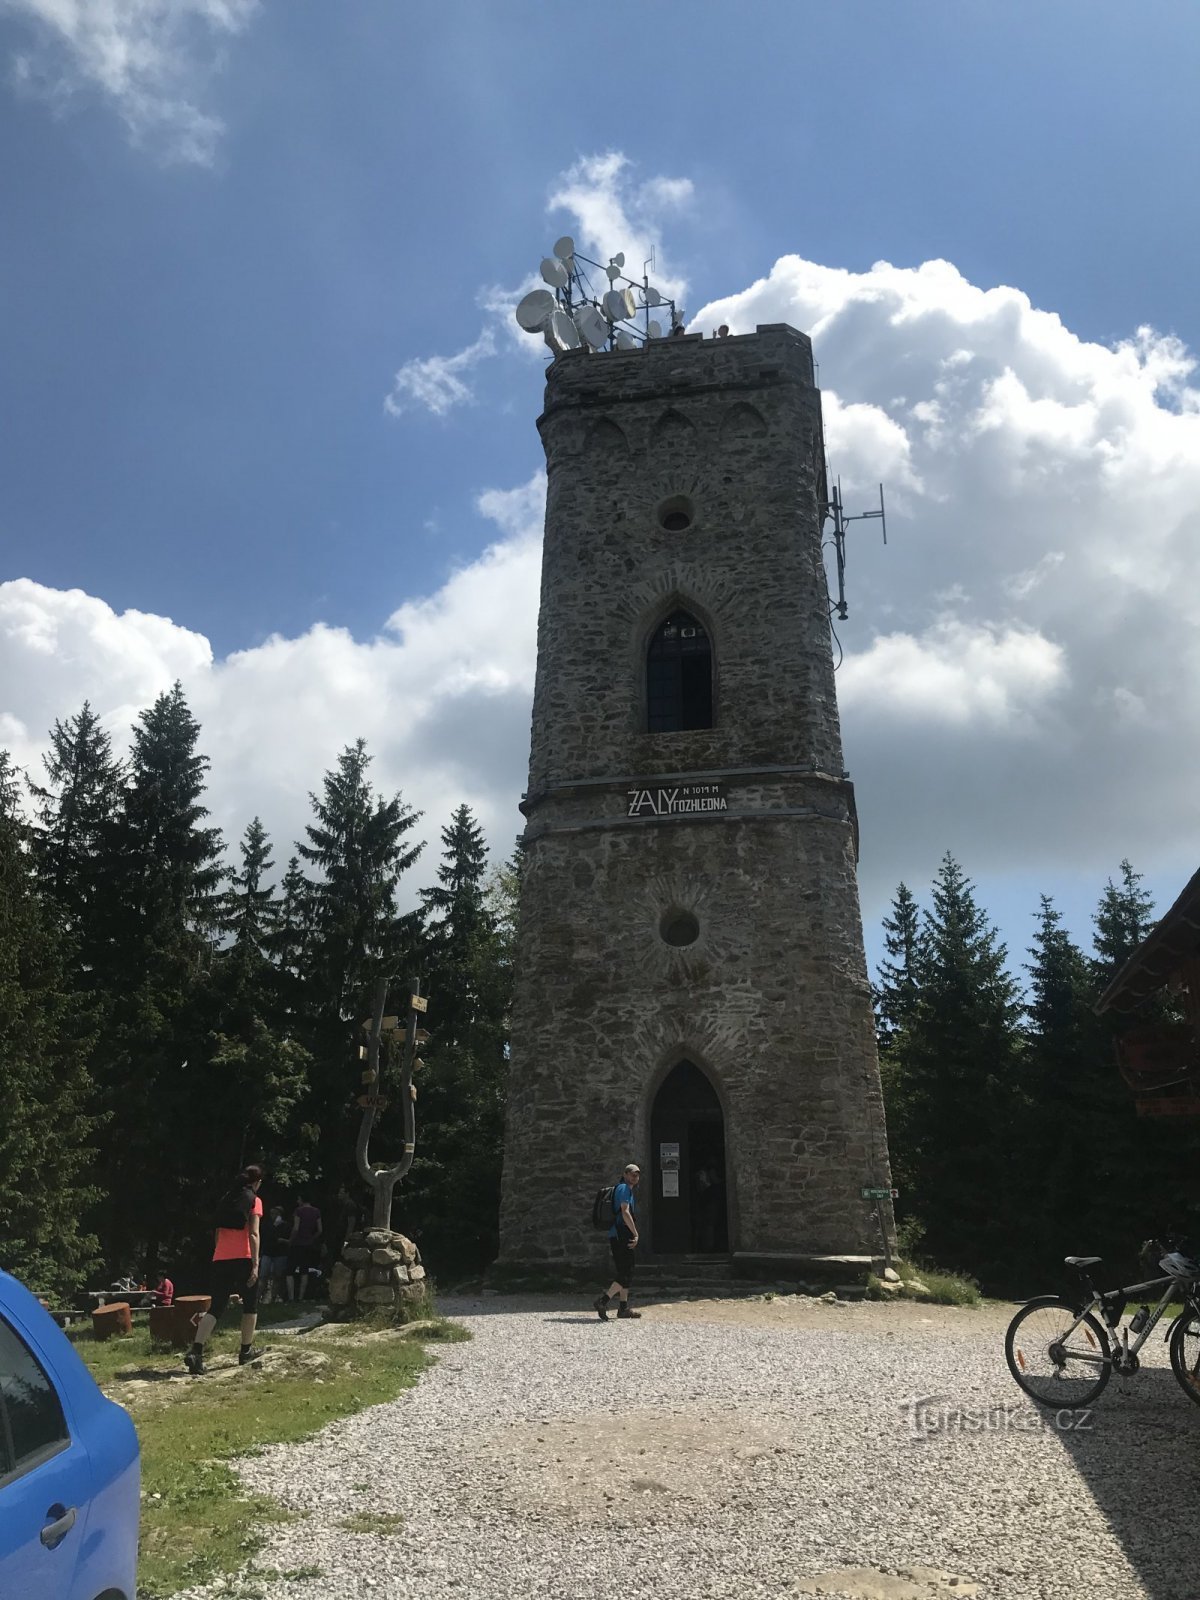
(668, 1162)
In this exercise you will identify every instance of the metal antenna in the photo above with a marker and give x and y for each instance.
(569, 312)
(833, 507)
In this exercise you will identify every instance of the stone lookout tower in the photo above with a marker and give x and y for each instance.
(692, 990)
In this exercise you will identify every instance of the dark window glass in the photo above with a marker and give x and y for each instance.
(679, 676)
(33, 1417)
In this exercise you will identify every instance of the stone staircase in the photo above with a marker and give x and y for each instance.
(718, 1277)
(697, 1277)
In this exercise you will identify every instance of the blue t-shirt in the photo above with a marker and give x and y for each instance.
(623, 1195)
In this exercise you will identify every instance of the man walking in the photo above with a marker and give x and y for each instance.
(623, 1240)
(234, 1269)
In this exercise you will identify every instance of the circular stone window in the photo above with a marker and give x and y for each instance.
(679, 928)
(676, 514)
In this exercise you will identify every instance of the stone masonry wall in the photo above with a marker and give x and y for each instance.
(772, 1001)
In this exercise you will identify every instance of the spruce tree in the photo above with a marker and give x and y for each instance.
(162, 925)
(46, 1129)
(899, 983)
(455, 1186)
(76, 812)
(257, 1072)
(896, 997)
(1122, 920)
(1065, 1065)
(959, 1115)
(354, 935)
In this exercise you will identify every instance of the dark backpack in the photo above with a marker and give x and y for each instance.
(604, 1212)
(234, 1208)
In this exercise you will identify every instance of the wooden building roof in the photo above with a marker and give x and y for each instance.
(1174, 940)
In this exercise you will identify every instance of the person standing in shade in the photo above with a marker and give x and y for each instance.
(278, 1232)
(623, 1242)
(304, 1247)
(234, 1269)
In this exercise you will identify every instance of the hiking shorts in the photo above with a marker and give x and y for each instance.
(624, 1259)
(227, 1278)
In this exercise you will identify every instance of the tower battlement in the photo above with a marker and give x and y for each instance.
(773, 354)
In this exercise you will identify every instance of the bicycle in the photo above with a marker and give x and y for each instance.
(1062, 1354)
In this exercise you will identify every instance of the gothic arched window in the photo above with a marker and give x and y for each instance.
(679, 676)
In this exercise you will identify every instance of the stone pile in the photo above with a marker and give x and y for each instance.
(380, 1270)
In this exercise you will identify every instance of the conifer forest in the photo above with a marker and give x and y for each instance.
(171, 1009)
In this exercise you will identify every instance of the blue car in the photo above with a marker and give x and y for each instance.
(70, 1475)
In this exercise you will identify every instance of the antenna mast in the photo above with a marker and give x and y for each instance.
(833, 507)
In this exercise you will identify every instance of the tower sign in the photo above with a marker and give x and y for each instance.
(692, 990)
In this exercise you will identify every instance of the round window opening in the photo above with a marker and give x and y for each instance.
(679, 928)
(676, 514)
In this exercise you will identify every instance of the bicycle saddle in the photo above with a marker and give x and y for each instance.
(1082, 1261)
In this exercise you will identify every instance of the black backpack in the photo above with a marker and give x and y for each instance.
(234, 1208)
(604, 1212)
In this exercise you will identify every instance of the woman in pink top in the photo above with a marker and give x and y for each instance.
(234, 1269)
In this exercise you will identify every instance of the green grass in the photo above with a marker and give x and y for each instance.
(198, 1521)
(940, 1288)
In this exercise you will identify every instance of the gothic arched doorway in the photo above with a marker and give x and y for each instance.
(687, 1127)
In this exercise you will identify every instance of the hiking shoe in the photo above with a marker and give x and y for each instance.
(601, 1305)
(194, 1362)
(245, 1357)
(626, 1315)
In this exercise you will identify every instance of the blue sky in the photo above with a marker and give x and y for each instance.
(206, 308)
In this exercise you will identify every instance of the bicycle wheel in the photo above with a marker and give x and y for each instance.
(1058, 1365)
(1185, 1354)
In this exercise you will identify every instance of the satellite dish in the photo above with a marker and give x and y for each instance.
(677, 318)
(564, 248)
(655, 330)
(559, 333)
(555, 273)
(626, 341)
(619, 304)
(652, 296)
(592, 327)
(619, 259)
(535, 309)
(613, 271)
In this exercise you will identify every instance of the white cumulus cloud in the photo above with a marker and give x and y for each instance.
(147, 58)
(1020, 681)
(442, 695)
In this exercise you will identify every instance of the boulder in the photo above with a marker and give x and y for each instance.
(386, 1257)
(890, 1275)
(356, 1254)
(376, 1295)
(341, 1285)
(415, 1274)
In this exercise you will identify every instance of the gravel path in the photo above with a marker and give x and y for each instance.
(740, 1450)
